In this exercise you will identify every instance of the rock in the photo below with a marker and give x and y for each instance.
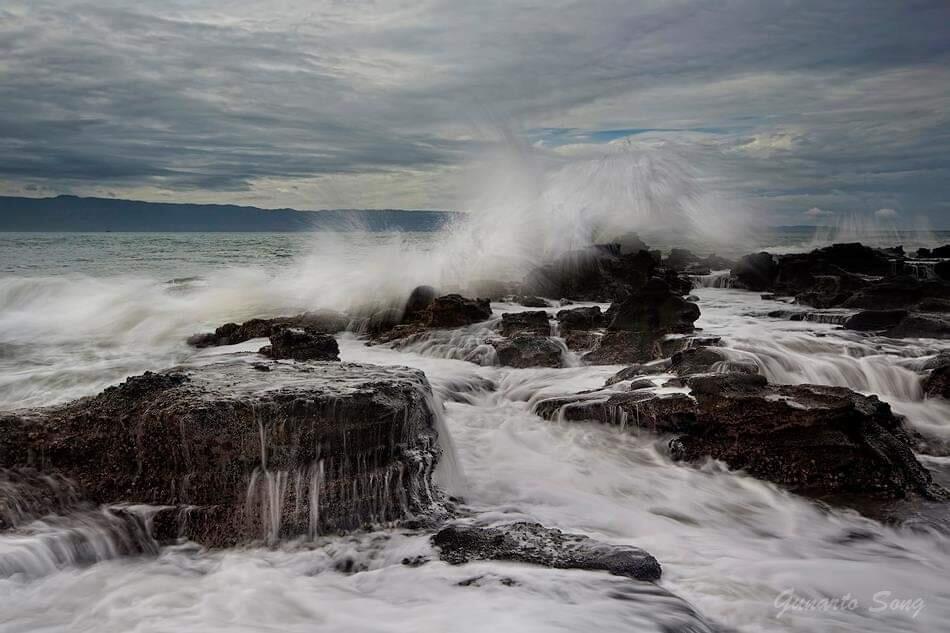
(528, 350)
(654, 310)
(937, 383)
(812, 439)
(529, 301)
(921, 326)
(809, 438)
(537, 545)
(896, 293)
(679, 259)
(537, 322)
(715, 262)
(623, 348)
(642, 383)
(599, 273)
(301, 345)
(419, 300)
(756, 271)
(321, 321)
(941, 251)
(216, 443)
(580, 341)
(942, 270)
(580, 319)
(871, 320)
(456, 311)
(696, 360)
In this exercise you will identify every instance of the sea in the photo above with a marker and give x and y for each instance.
(82, 311)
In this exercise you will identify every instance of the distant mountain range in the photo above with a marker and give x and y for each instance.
(72, 213)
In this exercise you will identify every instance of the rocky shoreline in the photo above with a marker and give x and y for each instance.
(291, 443)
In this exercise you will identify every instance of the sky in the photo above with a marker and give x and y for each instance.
(806, 110)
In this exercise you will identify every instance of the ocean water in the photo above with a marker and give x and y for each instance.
(79, 312)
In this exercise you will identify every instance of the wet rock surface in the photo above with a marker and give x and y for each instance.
(528, 350)
(533, 322)
(813, 439)
(590, 318)
(238, 455)
(291, 343)
(325, 322)
(535, 544)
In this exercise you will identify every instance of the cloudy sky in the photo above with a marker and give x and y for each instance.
(807, 109)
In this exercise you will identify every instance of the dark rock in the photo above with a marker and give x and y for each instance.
(599, 273)
(942, 270)
(528, 350)
(937, 383)
(715, 262)
(642, 383)
(922, 326)
(419, 300)
(301, 345)
(871, 320)
(525, 323)
(581, 341)
(941, 251)
(580, 319)
(456, 311)
(897, 293)
(537, 545)
(809, 438)
(321, 321)
(679, 259)
(654, 310)
(924, 253)
(529, 301)
(813, 439)
(192, 440)
(623, 348)
(756, 271)
(696, 360)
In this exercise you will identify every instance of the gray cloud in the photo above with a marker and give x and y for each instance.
(810, 104)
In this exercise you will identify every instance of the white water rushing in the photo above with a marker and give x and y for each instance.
(744, 554)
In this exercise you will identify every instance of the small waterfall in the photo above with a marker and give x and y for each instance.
(715, 279)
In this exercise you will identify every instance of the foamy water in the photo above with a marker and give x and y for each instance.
(732, 547)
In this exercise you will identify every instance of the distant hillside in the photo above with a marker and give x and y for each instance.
(71, 213)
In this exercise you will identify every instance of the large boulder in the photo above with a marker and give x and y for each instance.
(922, 326)
(528, 350)
(654, 310)
(937, 383)
(537, 545)
(419, 300)
(302, 345)
(875, 320)
(812, 439)
(897, 293)
(235, 455)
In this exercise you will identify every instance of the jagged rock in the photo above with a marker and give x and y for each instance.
(535, 544)
(897, 293)
(456, 311)
(301, 345)
(871, 320)
(580, 319)
(654, 310)
(813, 439)
(922, 326)
(321, 321)
(528, 350)
(809, 438)
(537, 322)
(756, 271)
(599, 273)
(623, 348)
(215, 443)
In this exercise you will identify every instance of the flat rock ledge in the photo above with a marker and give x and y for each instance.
(535, 544)
(235, 455)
